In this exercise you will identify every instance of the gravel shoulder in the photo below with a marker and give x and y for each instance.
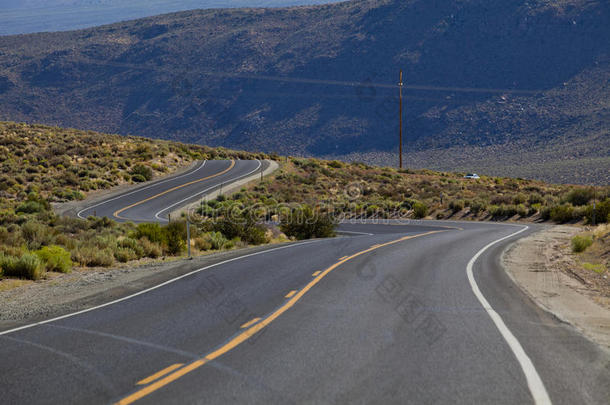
(543, 266)
(84, 288)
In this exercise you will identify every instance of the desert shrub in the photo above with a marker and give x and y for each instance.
(581, 243)
(153, 232)
(477, 206)
(55, 258)
(125, 254)
(519, 198)
(562, 213)
(602, 212)
(241, 224)
(202, 243)
(420, 210)
(138, 178)
(142, 172)
(7, 264)
(599, 268)
(580, 196)
(533, 209)
(175, 237)
(522, 210)
(150, 249)
(545, 213)
(27, 266)
(132, 244)
(335, 164)
(503, 211)
(36, 234)
(91, 256)
(243, 228)
(104, 241)
(456, 205)
(501, 200)
(579, 213)
(100, 223)
(217, 240)
(373, 211)
(535, 198)
(305, 222)
(30, 207)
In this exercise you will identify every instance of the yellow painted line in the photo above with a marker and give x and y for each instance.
(375, 246)
(117, 212)
(436, 226)
(291, 293)
(316, 273)
(343, 258)
(161, 383)
(250, 323)
(160, 374)
(253, 330)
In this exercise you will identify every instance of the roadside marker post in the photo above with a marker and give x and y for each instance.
(594, 201)
(188, 237)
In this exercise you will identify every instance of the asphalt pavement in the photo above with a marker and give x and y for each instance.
(388, 312)
(152, 202)
(385, 315)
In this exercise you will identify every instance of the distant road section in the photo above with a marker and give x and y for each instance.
(28, 16)
(153, 202)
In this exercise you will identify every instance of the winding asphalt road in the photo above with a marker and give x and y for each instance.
(153, 201)
(394, 313)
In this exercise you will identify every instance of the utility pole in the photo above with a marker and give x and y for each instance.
(400, 122)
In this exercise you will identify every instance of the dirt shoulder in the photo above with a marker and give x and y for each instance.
(543, 265)
(84, 288)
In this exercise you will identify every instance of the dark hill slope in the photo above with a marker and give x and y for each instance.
(227, 77)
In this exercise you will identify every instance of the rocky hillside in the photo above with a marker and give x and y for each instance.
(506, 88)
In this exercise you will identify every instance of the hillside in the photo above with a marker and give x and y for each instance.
(27, 16)
(304, 81)
(42, 166)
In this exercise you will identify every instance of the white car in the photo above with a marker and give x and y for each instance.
(472, 176)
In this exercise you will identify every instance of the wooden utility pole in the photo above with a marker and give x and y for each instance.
(400, 122)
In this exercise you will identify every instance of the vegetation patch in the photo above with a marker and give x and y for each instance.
(581, 243)
(41, 166)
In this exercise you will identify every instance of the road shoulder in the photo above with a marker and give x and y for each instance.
(540, 264)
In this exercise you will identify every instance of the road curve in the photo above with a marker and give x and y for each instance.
(154, 201)
(417, 313)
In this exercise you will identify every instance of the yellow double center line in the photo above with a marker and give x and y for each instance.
(117, 212)
(252, 330)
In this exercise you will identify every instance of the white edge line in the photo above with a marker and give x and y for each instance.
(534, 382)
(6, 332)
(204, 191)
(139, 189)
(355, 233)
